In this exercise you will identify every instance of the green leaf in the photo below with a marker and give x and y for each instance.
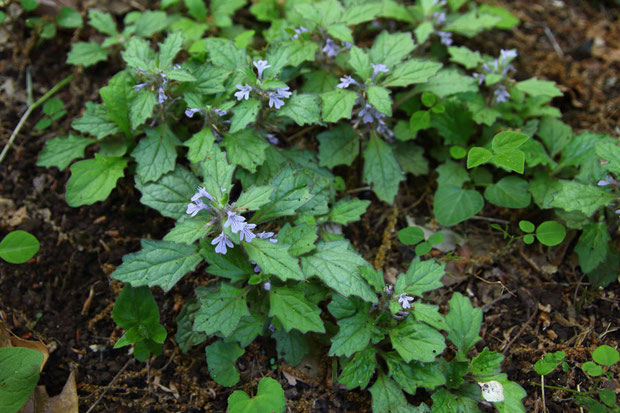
(103, 22)
(550, 233)
(117, 96)
(136, 311)
(417, 341)
(188, 231)
(221, 358)
(574, 196)
(535, 87)
(255, 197)
(447, 402)
(381, 169)
(610, 152)
(471, 23)
(508, 21)
(453, 204)
(354, 335)
(451, 173)
(169, 49)
(508, 140)
(340, 32)
(290, 194)
(348, 210)
(92, 180)
(156, 154)
(526, 226)
(380, 98)
(423, 31)
(291, 346)
(160, 263)
(478, 156)
(338, 267)
(217, 174)
(224, 53)
(233, 265)
(337, 104)
(293, 310)
(300, 51)
(301, 238)
(269, 398)
(448, 82)
(422, 276)
(18, 247)
(245, 149)
(486, 363)
(247, 330)
(150, 22)
(243, 114)
(430, 315)
(591, 368)
(391, 48)
(86, 54)
(138, 54)
(338, 146)
(509, 192)
(360, 62)
(59, 152)
(273, 258)
(411, 72)
(555, 134)
(142, 108)
(302, 108)
(221, 311)
(186, 337)
(197, 9)
(199, 145)
(592, 246)
(464, 322)
(465, 57)
(387, 397)
(358, 371)
(29, 5)
(549, 362)
(209, 80)
(401, 372)
(170, 194)
(410, 235)
(18, 377)
(69, 18)
(95, 121)
(511, 159)
(606, 355)
(360, 13)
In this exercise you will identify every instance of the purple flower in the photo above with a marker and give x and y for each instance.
(260, 66)
(366, 113)
(299, 31)
(486, 68)
(244, 92)
(501, 94)
(161, 95)
(235, 221)
(194, 207)
(608, 181)
(271, 138)
(330, 48)
(267, 235)
(190, 112)
(275, 97)
(346, 81)
(440, 2)
(201, 193)
(446, 38)
(504, 55)
(139, 86)
(440, 18)
(218, 112)
(271, 327)
(247, 232)
(267, 286)
(388, 289)
(480, 77)
(377, 68)
(176, 67)
(222, 242)
(405, 301)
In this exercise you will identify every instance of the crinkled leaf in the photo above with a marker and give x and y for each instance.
(92, 180)
(592, 246)
(199, 145)
(338, 146)
(221, 359)
(59, 152)
(422, 276)
(411, 72)
(353, 336)
(358, 371)
(348, 210)
(170, 194)
(417, 341)
(245, 149)
(274, 258)
(464, 322)
(337, 104)
(141, 108)
(243, 114)
(95, 121)
(86, 54)
(156, 154)
(575, 196)
(453, 204)
(381, 169)
(302, 108)
(293, 310)
(221, 311)
(391, 48)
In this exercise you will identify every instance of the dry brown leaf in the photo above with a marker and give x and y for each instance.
(65, 402)
(14, 341)
(18, 216)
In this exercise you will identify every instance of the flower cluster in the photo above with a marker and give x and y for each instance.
(500, 66)
(230, 218)
(405, 300)
(331, 49)
(158, 81)
(275, 96)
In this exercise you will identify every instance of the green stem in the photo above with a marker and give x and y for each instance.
(30, 109)
(560, 388)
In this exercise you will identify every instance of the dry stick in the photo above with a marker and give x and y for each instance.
(529, 320)
(108, 386)
(31, 108)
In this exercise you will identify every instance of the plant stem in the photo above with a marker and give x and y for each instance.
(31, 108)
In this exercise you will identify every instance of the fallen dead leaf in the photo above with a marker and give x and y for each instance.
(65, 402)
(14, 341)
(18, 217)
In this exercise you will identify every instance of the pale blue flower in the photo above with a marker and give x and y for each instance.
(480, 77)
(608, 181)
(246, 232)
(378, 68)
(260, 66)
(299, 31)
(190, 112)
(218, 112)
(235, 221)
(388, 289)
(330, 48)
(267, 235)
(271, 138)
(366, 114)
(275, 97)
(194, 207)
(201, 193)
(504, 55)
(346, 81)
(222, 242)
(138, 87)
(446, 38)
(501, 94)
(440, 18)
(405, 301)
(161, 95)
(176, 67)
(267, 286)
(244, 92)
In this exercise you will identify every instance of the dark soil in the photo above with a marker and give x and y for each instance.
(534, 300)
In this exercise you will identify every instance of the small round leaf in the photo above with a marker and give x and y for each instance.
(18, 247)
(528, 239)
(592, 369)
(478, 156)
(526, 226)
(410, 235)
(550, 233)
(436, 238)
(606, 355)
(458, 152)
(423, 248)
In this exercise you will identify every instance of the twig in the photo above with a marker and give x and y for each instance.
(478, 217)
(486, 307)
(554, 42)
(542, 391)
(529, 320)
(30, 109)
(105, 390)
